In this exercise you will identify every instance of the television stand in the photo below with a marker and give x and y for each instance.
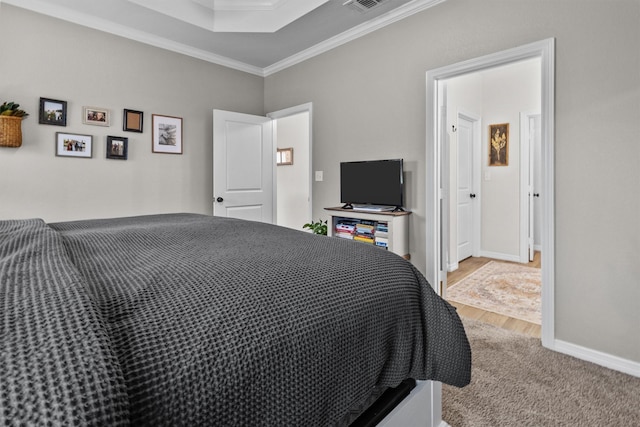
(393, 227)
(347, 206)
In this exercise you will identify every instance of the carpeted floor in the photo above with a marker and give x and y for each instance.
(517, 382)
(504, 288)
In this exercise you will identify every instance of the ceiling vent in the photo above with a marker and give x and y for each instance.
(363, 5)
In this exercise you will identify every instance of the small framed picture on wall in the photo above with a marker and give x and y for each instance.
(74, 145)
(132, 121)
(166, 134)
(52, 112)
(499, 145)
(95, 116)
(117, 147)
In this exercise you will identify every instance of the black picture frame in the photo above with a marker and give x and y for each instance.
(52, 112)
(132, 121)
(117, 147)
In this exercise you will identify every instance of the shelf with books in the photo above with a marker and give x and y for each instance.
(386, 230)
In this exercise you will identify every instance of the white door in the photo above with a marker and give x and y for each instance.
(243, 166)
(444, 181)
(466, 196)
(531, 176)
(535, 160)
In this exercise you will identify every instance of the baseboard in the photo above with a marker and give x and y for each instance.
(599, 358)
(452, 267)
(500, 256)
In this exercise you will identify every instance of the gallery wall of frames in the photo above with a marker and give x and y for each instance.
(166, 131)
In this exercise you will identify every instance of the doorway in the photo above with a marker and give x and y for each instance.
(438, 169)
(245, 173)
(293, 177)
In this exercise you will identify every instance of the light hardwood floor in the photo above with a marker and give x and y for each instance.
(470, 265)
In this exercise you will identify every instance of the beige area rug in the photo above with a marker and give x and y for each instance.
(504, 288)
(516, 382)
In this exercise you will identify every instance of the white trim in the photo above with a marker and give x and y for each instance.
(599, 358)
(545, 50)
(423, 407)
(453, 266)
(500, 256)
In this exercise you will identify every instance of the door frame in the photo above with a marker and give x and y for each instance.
(292, 111)
(545, 50)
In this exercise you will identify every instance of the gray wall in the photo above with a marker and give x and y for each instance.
(369, 101)
(54, 59)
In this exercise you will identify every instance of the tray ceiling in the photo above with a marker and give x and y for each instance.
(256, 36)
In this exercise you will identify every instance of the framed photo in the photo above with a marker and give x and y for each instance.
(117, 147)
(132, 121)
(52, 112)
(284, 156)
(499, 145)
(166, 134)
(95, 116)
(74, 145)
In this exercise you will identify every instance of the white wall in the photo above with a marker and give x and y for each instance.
(54, 59)
(369, 95)
(293, 180)
(498, 95)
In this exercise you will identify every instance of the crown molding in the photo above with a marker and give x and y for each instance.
(65, 14)
(352, 34)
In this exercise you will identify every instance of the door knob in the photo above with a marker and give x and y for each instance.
(536, 194)
(473, 196)
(219, 200)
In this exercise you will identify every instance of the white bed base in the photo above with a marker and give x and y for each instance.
(422, 408)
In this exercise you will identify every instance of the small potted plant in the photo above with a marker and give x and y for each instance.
(11, 124)
(318, 227)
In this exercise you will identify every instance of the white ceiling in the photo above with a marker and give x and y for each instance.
(256, 36)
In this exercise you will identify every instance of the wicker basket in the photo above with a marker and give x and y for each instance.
(10, 131)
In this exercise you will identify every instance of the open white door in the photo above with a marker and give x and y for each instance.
(536, 179)
(468, 167)
(444, 196)
(530, 139)
(532, 189)
(243, 166)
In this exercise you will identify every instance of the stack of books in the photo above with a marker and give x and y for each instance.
(346, 229)
(365, 232)
(371, 232)
(382, 235)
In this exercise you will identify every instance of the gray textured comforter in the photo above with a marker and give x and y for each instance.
(185, 319)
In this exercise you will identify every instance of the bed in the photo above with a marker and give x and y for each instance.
(187, 319)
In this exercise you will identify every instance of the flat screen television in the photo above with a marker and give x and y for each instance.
(372, 182)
